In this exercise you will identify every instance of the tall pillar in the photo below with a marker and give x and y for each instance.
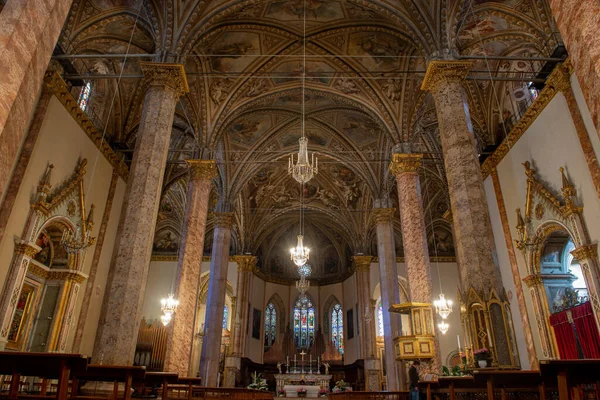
(179, 342)
(414, 235)
(390, 292)
(475, 248)
(578, 22)
(362, 265)
(246, 264)
(215, 302)
(30, 30)
(120, 317)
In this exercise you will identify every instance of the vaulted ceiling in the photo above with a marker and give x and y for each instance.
(364, 63)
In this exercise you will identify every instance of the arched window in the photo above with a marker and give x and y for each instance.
(84, 95)
(337, 328)
(225, 317)
(304, 323)
(270, 325)
(379, 319)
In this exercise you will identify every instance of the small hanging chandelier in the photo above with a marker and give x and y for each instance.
(302, 285)
(443, 327)
(168, 307)
(300, 254)
(442, 306)
(302, 170)
(305, 270)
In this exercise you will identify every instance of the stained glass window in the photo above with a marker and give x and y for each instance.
(84, 95)
(304, 323)
(225, 317)
(379, 319)
(337, 328)
(270, 325)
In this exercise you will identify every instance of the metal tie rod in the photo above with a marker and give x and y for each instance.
(117, 55)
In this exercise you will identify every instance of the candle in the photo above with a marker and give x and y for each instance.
(310, 360)
(458, 340)
(287, 360)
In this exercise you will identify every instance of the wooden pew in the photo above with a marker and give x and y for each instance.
(450, 384)
(43, 365)
(570, 373)
(108, 373)
(526, 381)
(162, 380)
(189, 382)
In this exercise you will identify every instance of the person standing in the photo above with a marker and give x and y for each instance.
(413, 377)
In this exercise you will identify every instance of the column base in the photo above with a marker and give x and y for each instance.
(373, 375)
(232, 370)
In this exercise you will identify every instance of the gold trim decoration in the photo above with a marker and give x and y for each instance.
(539, 211)
(165, 258)
(245, 262)
(533, 280)
(439, 71)
(27, 249)
(585, 252)
(383, 214)
(224, 219)
(37, 270)
(439, 259)
(66, 275)
(362, 263)
(164, 74)
(59, 88)
(402, 162)
(202, 169)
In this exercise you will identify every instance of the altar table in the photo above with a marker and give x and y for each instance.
(292, 390)
(307, 381)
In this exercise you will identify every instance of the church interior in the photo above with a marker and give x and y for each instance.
(300, 197)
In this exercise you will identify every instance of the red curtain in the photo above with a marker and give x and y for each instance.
(587, 331)
(565, 336)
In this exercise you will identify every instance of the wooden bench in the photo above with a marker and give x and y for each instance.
(108, 373)
(510, 381)
(570, 373)
(154, 380)
(42, 365)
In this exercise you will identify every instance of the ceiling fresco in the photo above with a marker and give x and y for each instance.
(364, 63)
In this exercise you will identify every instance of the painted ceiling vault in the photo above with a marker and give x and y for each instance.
(365, 60)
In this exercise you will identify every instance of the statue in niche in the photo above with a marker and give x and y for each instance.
(43, 256)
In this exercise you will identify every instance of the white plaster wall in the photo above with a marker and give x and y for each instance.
(549, 143)
(62, 142)
(161, 282)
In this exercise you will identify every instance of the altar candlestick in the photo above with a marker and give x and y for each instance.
(458, 340)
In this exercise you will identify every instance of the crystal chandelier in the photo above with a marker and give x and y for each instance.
(302, 285)
(168, 307)
(305, 270)
(76, 242)
(300, 254)
(443, 327)
(442, 306)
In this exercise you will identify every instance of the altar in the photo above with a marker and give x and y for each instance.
(312, 383)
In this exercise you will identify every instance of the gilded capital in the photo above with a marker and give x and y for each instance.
(163, 74)
(560, 78)
(383, 214)
(245, 262)
(404, 162)
(585, 252)
(533, 280)
(224, 219)
(362, 263)
(27, 249)
(440, 71)
(202, 169)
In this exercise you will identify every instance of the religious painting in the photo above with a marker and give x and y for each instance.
(234, 49)
(16, 331)
(358, 127)
(441, 243)
(44, 255)
(167, 242)
(382, 50)
(477, 28)
(312, 10)
(256, 322)
(291, 138)
(292, 70)
(247, 130)
(350, 321)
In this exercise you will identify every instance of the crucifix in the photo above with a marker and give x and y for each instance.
(302, 353)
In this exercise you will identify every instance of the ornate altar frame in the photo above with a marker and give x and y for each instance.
(544, 214)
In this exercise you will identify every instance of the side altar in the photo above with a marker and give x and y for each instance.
(312, 383)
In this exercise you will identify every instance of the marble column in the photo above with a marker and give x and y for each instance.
(120, 316)
(362, 266)
(181, 335)
(578, 22)
(475, 246)
(215, 301)
(414, 235)
(390, 291)
(28, 35)
(246, 264)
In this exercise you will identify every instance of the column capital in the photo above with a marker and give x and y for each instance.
(245, 262)
(405, 162)
(163, 74)
(533, 280)
(585, 252)
(224, 219)
(383, 214)
(362, 263)
(202, 169)
(27, 249)
(440, 71)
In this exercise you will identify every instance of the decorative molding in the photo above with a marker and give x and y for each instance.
(59, 88)
(245, 263)
(586, 252)
(166, 258)
(533, 280)
(382, 215)
(37, 270)
(224, 219)
(27, 249)
(163, 74)
(202, 169)
(440, 71)
(403, 162)
(439, 259)
(362, 263)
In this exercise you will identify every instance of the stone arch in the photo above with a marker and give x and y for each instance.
(203, 288)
